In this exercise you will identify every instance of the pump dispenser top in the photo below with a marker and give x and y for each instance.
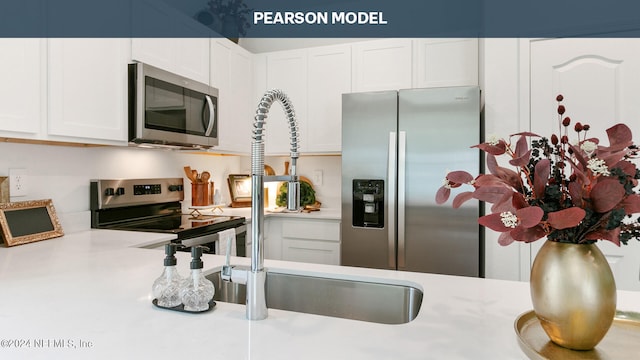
(166, 288)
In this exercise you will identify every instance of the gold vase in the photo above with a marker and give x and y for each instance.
(573, 293)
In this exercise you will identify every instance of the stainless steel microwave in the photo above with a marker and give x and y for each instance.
(170, 110)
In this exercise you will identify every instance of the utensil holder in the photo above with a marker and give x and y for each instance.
(201, 194)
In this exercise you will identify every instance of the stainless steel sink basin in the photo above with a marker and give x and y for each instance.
(348, 299)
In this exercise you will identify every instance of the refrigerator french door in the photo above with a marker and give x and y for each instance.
(397, 147)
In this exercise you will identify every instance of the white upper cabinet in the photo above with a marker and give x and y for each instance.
(286, 70)
(445, 62)
(314, 79)
(382, 65)
(21, 86)
(188, 57)
(232, 74)
(87, 92)
(329, 78)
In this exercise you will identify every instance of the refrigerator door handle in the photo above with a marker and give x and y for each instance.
(391, 191)
(402, 145)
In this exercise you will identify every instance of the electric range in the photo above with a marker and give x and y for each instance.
(154, 205)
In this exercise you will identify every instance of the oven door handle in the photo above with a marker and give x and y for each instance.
(206, 239)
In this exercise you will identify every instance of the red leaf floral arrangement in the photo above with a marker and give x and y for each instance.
(576, 191)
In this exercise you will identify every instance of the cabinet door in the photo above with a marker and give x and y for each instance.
(286, 70)
(21, 85)
(242, 103)
(445, 62)
(185, 57)
(272, 238)
(312, 241)
(598, 78)
(158, 52)
(382, 65)
(88, 88)
(329, 78)
(232, 74)
(188, 57)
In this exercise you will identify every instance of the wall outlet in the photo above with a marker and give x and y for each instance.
(317, 177)
(18, 182)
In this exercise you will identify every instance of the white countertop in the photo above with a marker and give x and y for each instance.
(323, 213)
(88, 296)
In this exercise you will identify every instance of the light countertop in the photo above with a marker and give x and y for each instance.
(322, 214)
(88, 296)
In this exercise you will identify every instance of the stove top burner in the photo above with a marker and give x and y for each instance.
(178, 224)
(174, 223)
(151, 205)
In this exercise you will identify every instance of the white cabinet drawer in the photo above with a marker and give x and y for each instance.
(324, 230)
(310, 251)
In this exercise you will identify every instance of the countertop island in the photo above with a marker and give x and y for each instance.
(87, 295)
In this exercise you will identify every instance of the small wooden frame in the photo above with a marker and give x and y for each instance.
(240, 190)
(4, 189)
(29, 221)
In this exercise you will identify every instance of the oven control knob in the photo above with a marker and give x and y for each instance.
(120, 191)
(176, 188)
(109, 192)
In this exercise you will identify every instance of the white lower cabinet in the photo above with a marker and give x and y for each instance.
(312, 241)
(303, 240)
(272, 239)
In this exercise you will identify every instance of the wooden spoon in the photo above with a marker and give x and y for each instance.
(189, 173)
(204, 177)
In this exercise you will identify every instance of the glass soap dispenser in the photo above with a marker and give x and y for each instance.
(166, 288)
(197, 290)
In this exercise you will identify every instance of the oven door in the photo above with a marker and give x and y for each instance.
(211, 241)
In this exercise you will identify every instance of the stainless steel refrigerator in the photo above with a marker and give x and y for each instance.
(397, 147)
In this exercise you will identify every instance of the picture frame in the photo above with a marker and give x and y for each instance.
(4, 189)
(240, 190)
(29, 221)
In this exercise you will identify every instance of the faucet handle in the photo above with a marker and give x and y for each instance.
(227, 271)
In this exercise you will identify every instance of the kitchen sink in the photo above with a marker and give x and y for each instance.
(348, 299)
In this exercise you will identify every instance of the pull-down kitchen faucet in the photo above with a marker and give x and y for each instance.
(256, 277)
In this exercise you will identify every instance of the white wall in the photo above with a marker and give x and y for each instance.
(328, 193)
(63, 173)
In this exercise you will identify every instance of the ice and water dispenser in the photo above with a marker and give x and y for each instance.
(368, 203)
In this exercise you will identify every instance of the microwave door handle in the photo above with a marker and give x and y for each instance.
(212, 116)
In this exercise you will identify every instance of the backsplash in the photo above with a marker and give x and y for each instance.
(63, 173)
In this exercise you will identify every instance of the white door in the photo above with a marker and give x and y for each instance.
(600, 81)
